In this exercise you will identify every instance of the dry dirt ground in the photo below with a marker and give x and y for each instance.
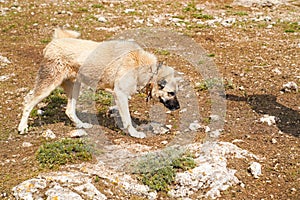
(255, 55)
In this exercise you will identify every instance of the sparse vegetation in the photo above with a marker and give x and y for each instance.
(26, 27)
(202, 16)
(53, 154)
(158, 172)
(208, 84)
(241, 13)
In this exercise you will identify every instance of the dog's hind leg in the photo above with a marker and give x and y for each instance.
(46, 82)
(72, 90)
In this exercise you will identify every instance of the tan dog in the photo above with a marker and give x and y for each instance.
(121, 66)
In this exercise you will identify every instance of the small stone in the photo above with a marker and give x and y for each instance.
(241, 88)
(169, 126)
(183, 110)
(207, 129)
(269, 26)
(26, 144)
(40, 112)
(164, 142)
(129, 10)
(270, 120)
(255, 169)
(277, 71)
(194, 126)
(101, 19)
(237, 141)
(4, 61)
(214, 117)
(228, 22)
(274, 141)
(78, 133)
(242, 185)
(289, 87)
(48, 134)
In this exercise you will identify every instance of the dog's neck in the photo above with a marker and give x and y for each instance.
(149, 82)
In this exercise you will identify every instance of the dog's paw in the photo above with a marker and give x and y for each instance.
(138, 134)
(84, 125)
(22, 129)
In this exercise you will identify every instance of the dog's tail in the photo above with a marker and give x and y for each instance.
(61, 33)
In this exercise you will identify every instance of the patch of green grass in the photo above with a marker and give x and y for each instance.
(211, 55)
(229, 84)
(206, 120)
(104, 98)
(55, 101)
(191, 7)
(241, 13)
(290, 27)
(101, 97)
(97, 6)
(53, 154)
(289, 31)
(34, 113)
(162, 52)
(45, 41)
(160, 179)
(228, 6)
(202, 16)
(82, 9)
(159, 171)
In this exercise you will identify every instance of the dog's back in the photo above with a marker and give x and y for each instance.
(66, 48)
(60, 33)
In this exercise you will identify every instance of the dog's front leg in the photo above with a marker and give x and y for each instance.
(122, 102)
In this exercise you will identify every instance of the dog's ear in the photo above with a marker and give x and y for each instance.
(161, 84)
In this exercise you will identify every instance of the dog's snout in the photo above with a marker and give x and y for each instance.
(172, 104)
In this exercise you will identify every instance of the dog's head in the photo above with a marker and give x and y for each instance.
(165, 88)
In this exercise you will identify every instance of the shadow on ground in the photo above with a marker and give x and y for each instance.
(55, 113)
(287, 119)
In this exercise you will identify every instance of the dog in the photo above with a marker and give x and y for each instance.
(120, 66)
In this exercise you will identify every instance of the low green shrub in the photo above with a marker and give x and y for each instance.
(53, 154)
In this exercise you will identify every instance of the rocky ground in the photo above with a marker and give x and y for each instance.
(254, 45)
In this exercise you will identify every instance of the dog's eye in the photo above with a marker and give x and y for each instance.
(171, 94)
(161, 84)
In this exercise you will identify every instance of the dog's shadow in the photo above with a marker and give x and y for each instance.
(54, 112)
(287, 119)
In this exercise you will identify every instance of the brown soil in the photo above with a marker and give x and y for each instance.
(245, 55)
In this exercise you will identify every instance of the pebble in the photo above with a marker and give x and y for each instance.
(129, 10)
(26, 144)
(169, 126)
(277, 71)
(101, 19)
(270, 120)
(214, 117)
(194, 126)
(164, 142)
(78, 133)
(255, 169)
(48, 134)
(289, 87)
(4, 61)
(228, 22)
(40, 112)
(183, 110)
(274, 141)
